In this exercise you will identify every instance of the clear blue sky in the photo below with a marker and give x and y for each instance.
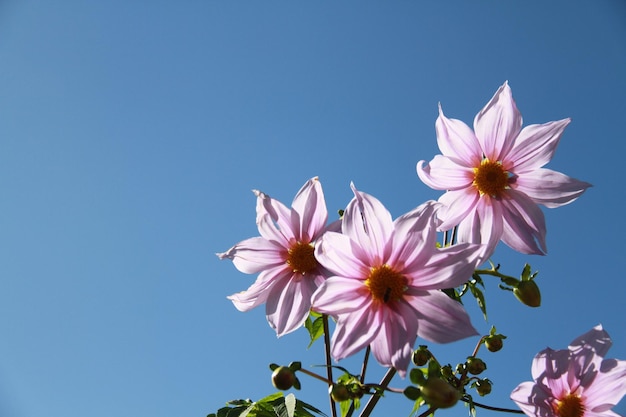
(131, 134)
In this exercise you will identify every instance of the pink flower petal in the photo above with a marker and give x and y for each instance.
(288, 306)
(532, 400)
(277, 212)
(338, 295)
(498, 124)
(524, 224)
(258, 292)
(254, 255)
(355, 331)
(341, 255)
(310, 206)
(457, 205)
(447, 267)
(270, 232)
(596, 339)
(393, 345)
(483, 226)
(414, 237)
(457, 141)
(440, 319)
(612, 374)
(368, 223)
(535, 146)
(443, 173)
(550, 188)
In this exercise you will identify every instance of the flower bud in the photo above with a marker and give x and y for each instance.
(339, 393)
(412, 393)
(283, 378)
(528, 293)
(483, 387)
(439, 393)
(421, 356)
(446, 371)
(493, 343)
(475, 365)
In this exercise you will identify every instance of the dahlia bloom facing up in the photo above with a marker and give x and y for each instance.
(384, 291)
(574, 382)
(494, 177)
(284, 257)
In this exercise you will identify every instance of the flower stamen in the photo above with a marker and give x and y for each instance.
(491, 178)
(385, 284)
(570, 406)
(301, 258)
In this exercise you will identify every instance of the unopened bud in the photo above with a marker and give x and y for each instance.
(283, 378)
(421, 356)
(339, 393)
(494, 343)
(475, 365)
(483, 387)
(439, 393)
(528, 293)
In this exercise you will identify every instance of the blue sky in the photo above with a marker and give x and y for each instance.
(131, 134)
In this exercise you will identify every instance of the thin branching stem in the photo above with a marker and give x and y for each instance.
(489, 407)
(371, 403)
(329, 368)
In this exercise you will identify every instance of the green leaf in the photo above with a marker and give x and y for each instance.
(344, 406)
(315, 325)
(290, 404)
(480, 298)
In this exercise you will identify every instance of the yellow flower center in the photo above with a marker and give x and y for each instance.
(570, 406)
(385, 284)
(490, 178)
(301, 258)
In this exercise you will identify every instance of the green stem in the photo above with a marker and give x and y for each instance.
(329, 368)
(371, 403)
(361, 379)
(489, 407)
(427, 412)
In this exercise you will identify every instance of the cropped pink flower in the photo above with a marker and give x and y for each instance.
(284, 257)
(494, 179)
(574, 382)
(387, 274)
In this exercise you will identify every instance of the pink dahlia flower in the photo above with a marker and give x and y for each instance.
(494, 177)
(384, 291)
(284, 257)
(574, 382)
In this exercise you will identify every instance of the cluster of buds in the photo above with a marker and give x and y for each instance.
(442, 386)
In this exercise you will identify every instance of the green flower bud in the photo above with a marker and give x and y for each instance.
(446, 371)
(494, 343)
(475, 365)
(439, 393)
(283, 378)
(339, 393)
(421, 356)
(483, 387)
(528, 293)
(412, 393)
